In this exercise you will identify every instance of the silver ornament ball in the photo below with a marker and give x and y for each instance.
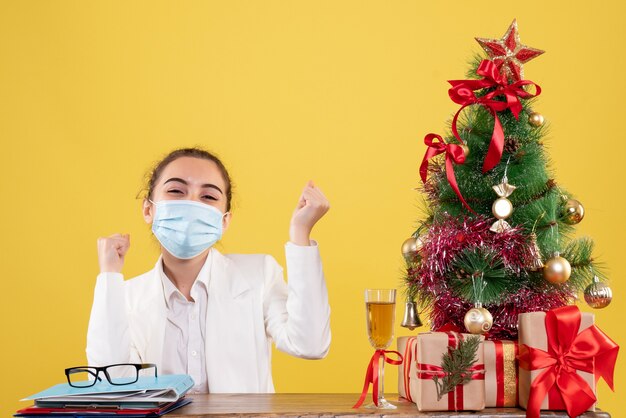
(598, 295)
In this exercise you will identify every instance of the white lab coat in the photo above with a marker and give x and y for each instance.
(249, 306)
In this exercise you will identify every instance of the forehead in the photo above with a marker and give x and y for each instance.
(193, 171)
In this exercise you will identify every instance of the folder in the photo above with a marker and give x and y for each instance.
(101, 411)
(147, 390)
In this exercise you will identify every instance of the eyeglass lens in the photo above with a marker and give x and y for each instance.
(122, 374)
(82, 377)
(116, 374)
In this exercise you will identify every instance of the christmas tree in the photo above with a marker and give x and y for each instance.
(497, 240)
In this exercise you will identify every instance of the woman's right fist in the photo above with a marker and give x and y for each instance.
(111, 252)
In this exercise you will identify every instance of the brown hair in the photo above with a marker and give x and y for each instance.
(196, 152)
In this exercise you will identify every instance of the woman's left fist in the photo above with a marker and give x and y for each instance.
(312, 205)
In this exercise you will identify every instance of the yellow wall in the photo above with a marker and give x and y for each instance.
(91, 93)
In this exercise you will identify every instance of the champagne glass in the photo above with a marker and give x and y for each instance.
(380, 305)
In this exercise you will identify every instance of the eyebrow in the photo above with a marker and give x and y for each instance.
(212, 186)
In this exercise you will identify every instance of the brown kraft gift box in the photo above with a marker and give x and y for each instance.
(407, 373)
(532, 332)
(501, 373)
(430, 349)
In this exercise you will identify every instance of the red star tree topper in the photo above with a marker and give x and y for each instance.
(508, 53)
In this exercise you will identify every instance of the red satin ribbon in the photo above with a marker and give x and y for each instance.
(407, 360)
(501, 378)
(454, 154)
(428, 371)
(499, 373)
(591, 351)
(463, 93)
(371, 376)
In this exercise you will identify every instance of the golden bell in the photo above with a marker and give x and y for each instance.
(411, 318)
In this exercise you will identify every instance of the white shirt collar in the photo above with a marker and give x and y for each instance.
(170, 290)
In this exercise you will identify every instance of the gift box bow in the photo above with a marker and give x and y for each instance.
(591, 351)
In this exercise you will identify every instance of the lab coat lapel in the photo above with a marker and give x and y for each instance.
(231, 354)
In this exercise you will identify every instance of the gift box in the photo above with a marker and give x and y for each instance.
(407, 375)
(562, 354)
(501, 373)
(429, 351)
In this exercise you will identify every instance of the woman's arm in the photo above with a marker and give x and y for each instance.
(297, 315)
(108, 338)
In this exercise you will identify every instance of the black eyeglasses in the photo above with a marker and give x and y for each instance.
(116, 374)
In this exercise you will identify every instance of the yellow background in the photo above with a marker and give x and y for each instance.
(92, 93)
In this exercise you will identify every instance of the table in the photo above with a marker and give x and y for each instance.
(327, 405)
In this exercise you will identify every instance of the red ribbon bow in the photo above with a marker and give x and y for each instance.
(454, 153)
(590, 351)
(463, 93)
(371, 376)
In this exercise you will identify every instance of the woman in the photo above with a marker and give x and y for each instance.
(198, 311)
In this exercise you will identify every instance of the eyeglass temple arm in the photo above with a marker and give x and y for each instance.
(147, 366)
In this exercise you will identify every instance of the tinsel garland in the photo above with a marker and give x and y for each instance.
(448, 310)
(446, 238)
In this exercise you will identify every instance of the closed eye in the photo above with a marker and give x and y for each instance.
(175, 191)
(209, 197)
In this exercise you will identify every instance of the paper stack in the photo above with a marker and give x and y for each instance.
(148, 397)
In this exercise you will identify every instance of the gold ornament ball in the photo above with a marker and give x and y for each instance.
(535, 119)
(557, 270)
(502, 208)
(478, 320)
(573, 212)
(598, 295)
(466, 150)
(411, 246)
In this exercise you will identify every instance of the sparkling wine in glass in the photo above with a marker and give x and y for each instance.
(380, 306)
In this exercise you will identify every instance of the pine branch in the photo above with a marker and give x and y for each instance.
(456, 364)
(485, 263)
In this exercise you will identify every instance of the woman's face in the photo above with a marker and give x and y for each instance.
(190, 178)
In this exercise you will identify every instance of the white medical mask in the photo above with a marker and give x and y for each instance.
(186, 228)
